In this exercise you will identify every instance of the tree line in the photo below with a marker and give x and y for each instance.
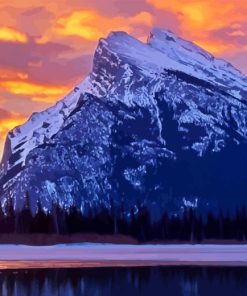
(188, 226)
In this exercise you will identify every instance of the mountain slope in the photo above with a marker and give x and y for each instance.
(159, 122)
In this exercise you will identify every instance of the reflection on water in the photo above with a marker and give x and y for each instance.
(175, 281)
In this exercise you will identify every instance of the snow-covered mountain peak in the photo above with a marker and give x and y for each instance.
(193, 56)
(168, 42)
(141, 102)
(166, 50)
(114, 55)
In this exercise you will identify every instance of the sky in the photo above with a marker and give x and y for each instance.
(46, 47)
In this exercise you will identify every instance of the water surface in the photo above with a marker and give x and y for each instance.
(175, 281)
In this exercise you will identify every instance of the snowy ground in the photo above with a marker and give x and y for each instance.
(93, 255)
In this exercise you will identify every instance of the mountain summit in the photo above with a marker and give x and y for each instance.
(162, 123)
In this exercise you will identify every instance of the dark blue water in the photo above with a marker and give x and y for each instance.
(175, 281)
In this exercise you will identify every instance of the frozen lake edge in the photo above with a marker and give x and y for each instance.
(110, 255)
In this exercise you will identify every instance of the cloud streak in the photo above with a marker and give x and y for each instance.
(12, 35)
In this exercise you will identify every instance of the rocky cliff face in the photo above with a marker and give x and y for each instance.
(164, 123)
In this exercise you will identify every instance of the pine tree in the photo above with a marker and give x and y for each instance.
(58, 215)
(41, 221)
(24, 217)
(10, 216)
(2, 220)
(74, 220)
(114, 216)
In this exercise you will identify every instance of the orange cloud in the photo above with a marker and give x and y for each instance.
(215, 46)
(12, 35)
(1, 148)
(37, 92)
(199, 18)
(9, 73)
(82, 24)
(8, 121)
(144, 18)
(238, 33)
(22, 75)
(90, 25)
(8, 124)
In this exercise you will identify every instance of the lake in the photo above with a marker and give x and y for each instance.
(126, 281)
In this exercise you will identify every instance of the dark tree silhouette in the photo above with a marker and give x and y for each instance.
(24, 217)
(187, 226)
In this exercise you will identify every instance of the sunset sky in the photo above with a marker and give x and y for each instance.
(46, 47)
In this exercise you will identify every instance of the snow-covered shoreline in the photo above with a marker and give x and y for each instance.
(95, 255)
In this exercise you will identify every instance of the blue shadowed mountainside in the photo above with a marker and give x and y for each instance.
(162, 123)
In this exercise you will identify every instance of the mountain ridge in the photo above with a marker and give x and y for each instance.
(133, 88)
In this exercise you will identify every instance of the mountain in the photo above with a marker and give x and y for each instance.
(162, 123)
